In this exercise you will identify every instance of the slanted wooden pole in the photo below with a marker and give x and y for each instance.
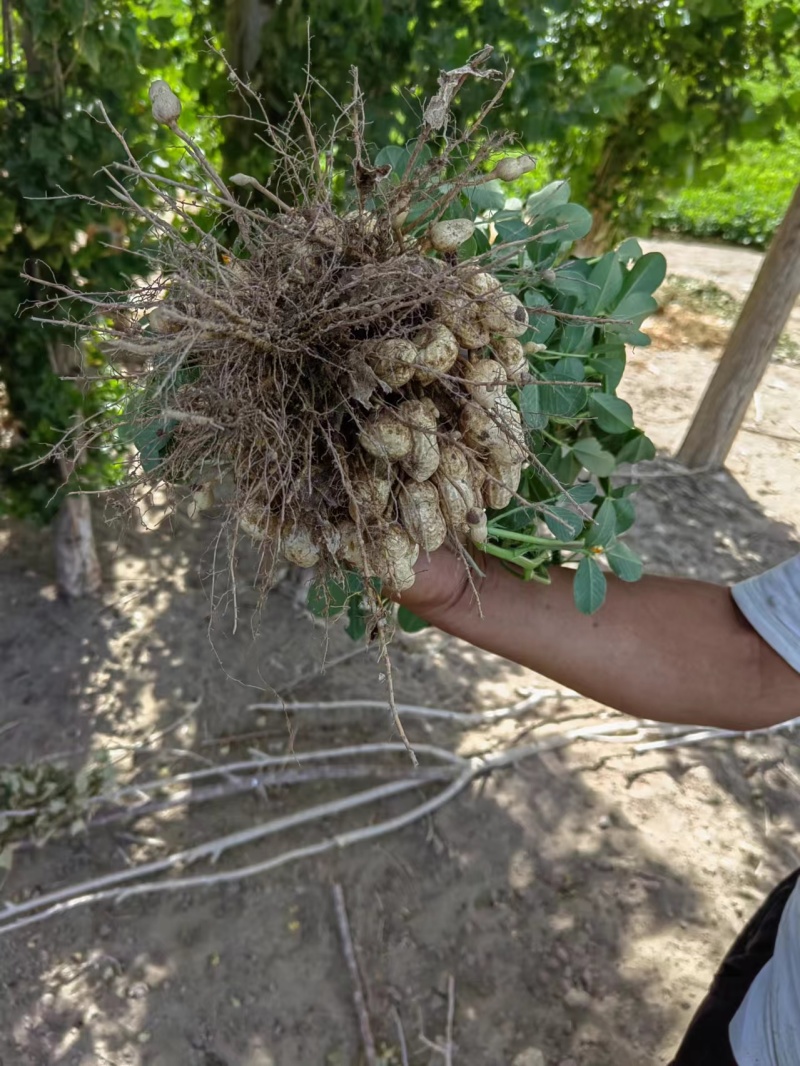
(750, 346)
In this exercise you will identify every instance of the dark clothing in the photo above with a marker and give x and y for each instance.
(706, 1041)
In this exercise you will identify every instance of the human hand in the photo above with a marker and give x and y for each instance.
(445, 585)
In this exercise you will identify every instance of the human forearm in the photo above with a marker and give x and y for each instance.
(661, 648)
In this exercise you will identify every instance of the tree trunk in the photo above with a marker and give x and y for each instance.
(749, 349)
(77, 565)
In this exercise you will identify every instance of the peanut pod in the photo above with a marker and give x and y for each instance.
(349, 545)
(509, 352)
(391, 557)
(370, 485)
(453, 462)
(437, 350)
(479, 283)
(385, 437)
(393, 361)
(485, 380)
(202, 500)
(259, 526)
(423, 458)
(297, 547)
(457, 499)
(504, 314)
(478, 525)
(460, 315)
(513, 167)
(450, 234)
(502, 481)
(421, 515)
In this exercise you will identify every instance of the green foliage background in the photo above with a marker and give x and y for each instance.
(746, 204)
(60, 60)
(627, 98)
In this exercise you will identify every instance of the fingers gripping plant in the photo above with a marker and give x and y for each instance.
(358, 370)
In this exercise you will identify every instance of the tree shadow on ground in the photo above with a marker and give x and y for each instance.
(538, 890)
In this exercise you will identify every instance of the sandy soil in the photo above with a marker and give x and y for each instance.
(580, 902)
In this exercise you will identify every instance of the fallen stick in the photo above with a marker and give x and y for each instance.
(117, 886)
(451, 1013)
(209, 793)
(411, 710)
(691, 735)
(401, 1037)
(261, 760)
(348, 947)
(111, 886)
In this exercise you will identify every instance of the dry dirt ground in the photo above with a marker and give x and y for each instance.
(580, 902)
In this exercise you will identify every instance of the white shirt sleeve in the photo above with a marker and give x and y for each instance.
(765, 1031)
(771, 604)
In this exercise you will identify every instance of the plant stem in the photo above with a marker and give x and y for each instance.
(528, 565)
(550, 437)
(526, 538)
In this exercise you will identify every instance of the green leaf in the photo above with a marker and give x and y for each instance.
(399, 156)
(327, 599)
(575, 339)
(589, 586)
(571, 283)
(396, 156)
(562, 399)
(543, 254)
(590, 454)
(629, 249)
(410, 622)
(604, 525)
(542, 325)
(606, 280)
(611, 365)
(672, 133)
(542, 203)
(530, 405)
(487, 197)
(626, 514)
(562, 464)
(562, 523)
(91, 50)
(625, 563)
(635, 307)
(481, 239)
(357, 619)
(645, 275)
(639, 449)
(613, 414)
(468, 250)
(512, 230)
(150, 440)
(575, 220)
(578, 494)
(621, 80)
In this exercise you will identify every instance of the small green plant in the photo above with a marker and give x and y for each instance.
(45, 799)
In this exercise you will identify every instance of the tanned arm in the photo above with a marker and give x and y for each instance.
(661, 648)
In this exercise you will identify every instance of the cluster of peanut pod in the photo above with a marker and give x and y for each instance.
(444, 440)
